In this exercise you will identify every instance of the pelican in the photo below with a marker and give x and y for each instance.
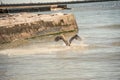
(62, 37)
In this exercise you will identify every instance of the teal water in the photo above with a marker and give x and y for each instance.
(96, 57)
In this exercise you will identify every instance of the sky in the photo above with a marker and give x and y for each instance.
(28, 1)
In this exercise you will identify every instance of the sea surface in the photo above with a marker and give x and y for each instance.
(96, 57)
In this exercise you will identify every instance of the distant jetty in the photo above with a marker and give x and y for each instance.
(31, 8)
(35, 7)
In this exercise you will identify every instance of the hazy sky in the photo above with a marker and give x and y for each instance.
(28, 1)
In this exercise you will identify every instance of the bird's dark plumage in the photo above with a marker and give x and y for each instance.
(62, 37)
(74, 37)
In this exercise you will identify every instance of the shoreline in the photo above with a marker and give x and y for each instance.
(55, 3)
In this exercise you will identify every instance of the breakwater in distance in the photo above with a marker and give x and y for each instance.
(31, 8)
(35, 7)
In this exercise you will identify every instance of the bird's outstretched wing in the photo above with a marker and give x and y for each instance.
(61, 37)
(58, 38)
(74, 37)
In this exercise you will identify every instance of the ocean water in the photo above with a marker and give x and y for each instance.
(96, 57)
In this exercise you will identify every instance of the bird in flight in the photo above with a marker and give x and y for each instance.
(62, 37)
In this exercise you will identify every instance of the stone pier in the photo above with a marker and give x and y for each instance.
(27, 25)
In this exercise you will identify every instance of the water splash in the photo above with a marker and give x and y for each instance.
(44, 48)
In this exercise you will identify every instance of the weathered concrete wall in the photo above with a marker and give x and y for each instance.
(27, 25)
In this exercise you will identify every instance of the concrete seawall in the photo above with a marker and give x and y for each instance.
(28, 25)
